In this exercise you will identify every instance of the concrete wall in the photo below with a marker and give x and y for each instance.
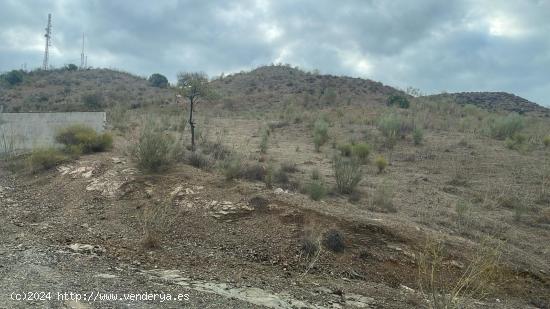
(30, 130)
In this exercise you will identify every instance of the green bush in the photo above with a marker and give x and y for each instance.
(85, 138)
(546, 141)
(390, 127)
(316, 190)
(361, 151)
(158, 80)
(152, 152)
(348, 174)
(505, 127)
(345, 150)
(418, 135)
(517, 142)
(280, 176)
(381, 163)
(320, 133)
(71, 67)
(14, 77)
(92, 100)
(264, 143)
(398, 100)
(232, 167)
(45, 158)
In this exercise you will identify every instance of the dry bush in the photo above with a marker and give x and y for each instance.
(254, 172)
(157, 219)
(320, 133)
(348, 174)
(199, 160)
(475, 280)
(383, 198)
(381, 163)
(232, 167)
(334, 240)
(503, 127)
(154, 150)
(361, 151)
(84, 138)
(45, 158)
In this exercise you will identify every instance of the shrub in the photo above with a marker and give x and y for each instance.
(289, 167)
(315, 174)
(390, 125)
(264, 142)
(152, 150)
(381, 163)
(345, 150)
(84, 138)
(361, 151)
(517, 142)
(383, 198)
(418, 135)
(320, 133)
(199, 160)
(398, 100)
(255, 172)
(505, 127)
(158, 80)
(316, 190)
(546, 141)
(464, 212)
(45, 158)
(310, 246)
(71, 67)
(280, 176)
(232, 167)
(14, 77)
(334, 241)
(92, 100)
(216, 149)
(348, 174)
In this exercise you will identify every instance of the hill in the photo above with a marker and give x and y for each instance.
(276, 84)
(86, 90)
(493, 101)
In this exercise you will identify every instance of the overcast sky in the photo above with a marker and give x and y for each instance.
(433, 45)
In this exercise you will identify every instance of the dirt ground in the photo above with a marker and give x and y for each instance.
(238, 244)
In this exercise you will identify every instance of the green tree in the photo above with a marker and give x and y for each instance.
(71, 67)
(193, 86)
(398, 100)
(14, 77)
(158, 80)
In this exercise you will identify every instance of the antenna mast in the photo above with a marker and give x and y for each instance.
(48, 42)
(82, 57)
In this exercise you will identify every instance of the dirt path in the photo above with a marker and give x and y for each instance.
(33, 266)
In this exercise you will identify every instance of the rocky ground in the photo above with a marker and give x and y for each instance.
(81, 228)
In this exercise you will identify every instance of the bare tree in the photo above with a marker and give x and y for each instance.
(193, 86)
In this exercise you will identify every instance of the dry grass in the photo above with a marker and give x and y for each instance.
(443, 288)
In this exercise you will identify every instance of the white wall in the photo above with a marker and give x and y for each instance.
(30, 130)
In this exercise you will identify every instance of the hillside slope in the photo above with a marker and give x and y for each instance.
(492, 101)
(269, 85)
(95, 89)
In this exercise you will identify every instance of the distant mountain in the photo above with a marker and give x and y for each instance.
(495, 101)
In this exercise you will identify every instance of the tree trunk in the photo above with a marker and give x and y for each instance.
(192, 125)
